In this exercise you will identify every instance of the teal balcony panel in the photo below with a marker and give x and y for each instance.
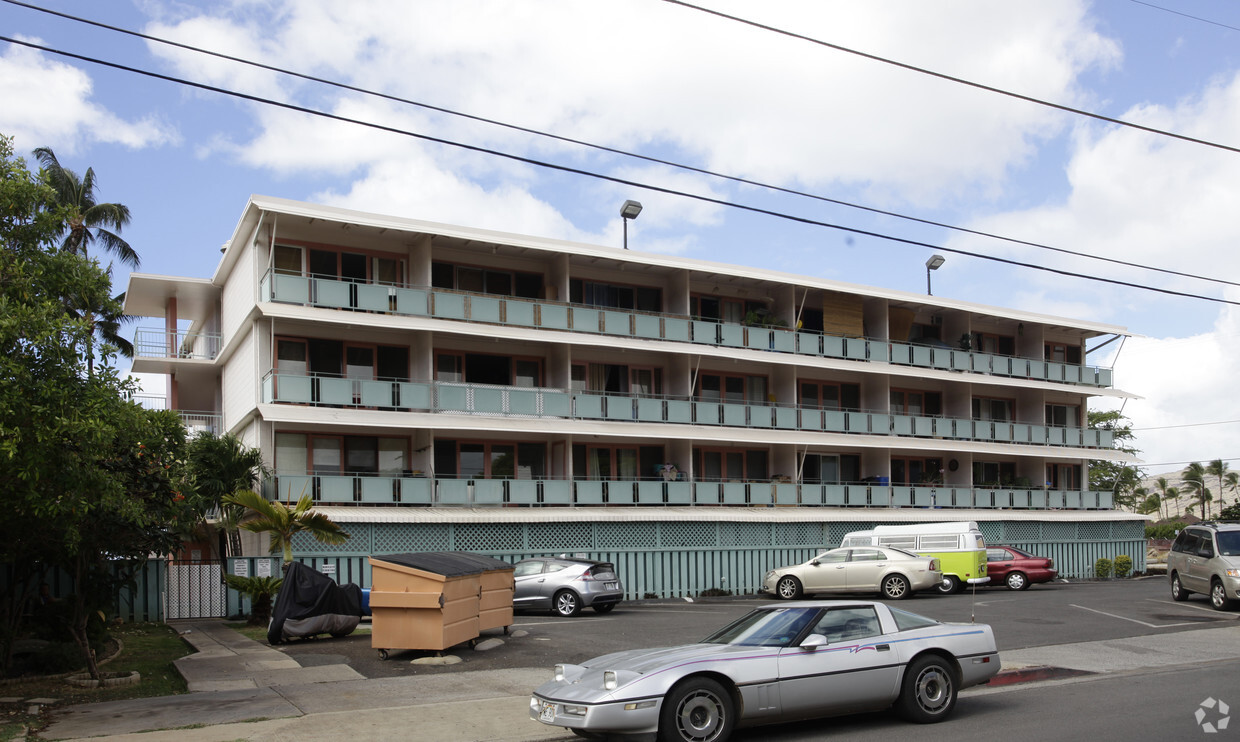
(858, 422)
(922, 356)
(924, 497)
(734, 415)
(1037, 499)
(373, 297)
(735, 493)
(676, 329)
(901, 353)
(958, 429)
(553, 316)
(557, 492)
(416, 491)
(588, 406)
(415, 396)
(650, 410)
(1021, 433)
(1056, 436)
(291, 487)
(1036, 369)
(783, 341)
(901, 425)
(1103, 376)
(645, 326)
(335, 391)
(292, 289)
(732, 335)
(786, 418)
(761, 416)
(983, 498)
(489, 491)
(617, 323)
(520, 313)
(877, 496)
(707, 413)
(378, 393)
(813, 494)
(448, 306)
(584, 320)
(707, 493)
(961, 360)
(452, 491)
(330, 293)
(834, 421)
(1038, 434)
(452, 398)
(268, 389)
(484, 309)
(1106, 438)
(377, 490)
(487, 400)
(1072, 499)
(809, 343)
(679, 493)
(522, 491)
(879, 351)
(758, 339)
(650, 493)
(785, 493)
(619, 408)
(901, 497)
(981, 363)
(679, 411)
(927, 427)
(296, 389)
(1106, 500)
(524, 402)
(414, 302)
(1000, 431)
(1055, 499)
(761, 494)
(589, 492)
(833, 346)
(856, 349)
(705, 332)
(835, 495)
(940, 358)
(334, 489)
(811, 419)
(557, 404)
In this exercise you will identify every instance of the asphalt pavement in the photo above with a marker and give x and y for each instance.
(241, 689)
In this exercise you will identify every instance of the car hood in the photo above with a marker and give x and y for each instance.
(649, 660)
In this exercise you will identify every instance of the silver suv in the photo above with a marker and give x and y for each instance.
(1205, 558)
(565, 585)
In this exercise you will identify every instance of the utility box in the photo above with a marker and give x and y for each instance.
(436, 600)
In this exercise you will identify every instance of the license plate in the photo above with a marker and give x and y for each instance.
(609, 586)
(548, 713)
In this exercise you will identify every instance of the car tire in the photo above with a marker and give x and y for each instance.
(950, 585)
(1178, 593)
(895, 587)
(1218, 596)
(566, 603)
(928, 691)
(1017, 581)
(788, 588)
(697, 710)
(603, 607)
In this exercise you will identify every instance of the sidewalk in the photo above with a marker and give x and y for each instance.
(244, 690)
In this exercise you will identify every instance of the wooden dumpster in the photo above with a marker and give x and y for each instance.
(436, 600)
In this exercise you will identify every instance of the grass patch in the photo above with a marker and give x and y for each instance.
(149, 648)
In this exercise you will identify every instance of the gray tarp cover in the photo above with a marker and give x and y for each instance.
(306, 593)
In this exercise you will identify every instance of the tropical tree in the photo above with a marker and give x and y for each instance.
(1194, 483)
(284, 522)
(1165, 495)
(221, 465)
(87, 223)
(1218, 469)
(1146, 501)
(1115, 477)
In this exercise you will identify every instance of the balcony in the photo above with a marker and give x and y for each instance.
(202, 346)
(346, 489)
(195, 422)
(481, 399)
(332, 293)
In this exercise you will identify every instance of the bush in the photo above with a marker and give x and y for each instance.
(1164, 530)
(714, 592)
(1123, 565)
(1102, 568)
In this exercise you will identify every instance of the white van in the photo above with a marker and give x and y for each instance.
(958, 545)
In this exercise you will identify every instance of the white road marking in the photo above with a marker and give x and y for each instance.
(1229, 616)
(1143, 623)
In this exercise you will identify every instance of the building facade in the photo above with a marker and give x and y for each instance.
(436, 387)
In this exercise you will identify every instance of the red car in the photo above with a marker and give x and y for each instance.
(1017, 569)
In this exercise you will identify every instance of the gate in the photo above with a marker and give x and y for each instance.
(195, 590)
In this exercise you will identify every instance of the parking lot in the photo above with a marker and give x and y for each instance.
(1055, 613)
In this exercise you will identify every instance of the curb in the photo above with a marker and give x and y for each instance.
(1034, 674)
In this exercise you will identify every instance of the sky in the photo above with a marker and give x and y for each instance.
(806, 104)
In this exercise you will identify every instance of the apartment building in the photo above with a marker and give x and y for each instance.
(438, 387)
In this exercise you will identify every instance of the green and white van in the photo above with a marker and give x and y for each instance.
(958, 546)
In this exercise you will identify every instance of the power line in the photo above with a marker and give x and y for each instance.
(607, 178)
(612, 150)
(960, 80)
(1186, 15)
(1187, 425)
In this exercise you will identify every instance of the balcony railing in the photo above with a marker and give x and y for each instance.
(149, 343)
(345, 489)
(333, 293)
(483, 399)
(195, 421)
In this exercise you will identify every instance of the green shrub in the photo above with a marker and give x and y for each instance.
(1102, 568)
(1123, 565)
(714, 592)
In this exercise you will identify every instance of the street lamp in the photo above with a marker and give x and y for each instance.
(630, 210)
(933, 265)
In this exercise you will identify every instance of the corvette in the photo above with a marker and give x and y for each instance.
(780, 662)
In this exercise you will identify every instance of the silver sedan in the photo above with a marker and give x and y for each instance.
(894, 573)
(781, 662)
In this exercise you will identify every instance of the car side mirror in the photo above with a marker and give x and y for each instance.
(1206, 551)
(814, 641)
(814, 562)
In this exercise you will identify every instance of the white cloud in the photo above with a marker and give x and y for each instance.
(49, 103)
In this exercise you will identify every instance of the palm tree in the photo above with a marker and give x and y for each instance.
(1233, 485)
(1165, 494)
(284, 522)
(221, 465)
(1218, 468)
(88, 221)
(1195, 486)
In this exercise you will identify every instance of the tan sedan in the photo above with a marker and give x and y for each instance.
(893, 573)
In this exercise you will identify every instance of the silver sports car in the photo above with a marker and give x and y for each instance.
(781, 662)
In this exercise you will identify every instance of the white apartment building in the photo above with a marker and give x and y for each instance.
(438, 387)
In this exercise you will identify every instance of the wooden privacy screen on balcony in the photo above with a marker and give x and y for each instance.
(899, 323)
(842, 315)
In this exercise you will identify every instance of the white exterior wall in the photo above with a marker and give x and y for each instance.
(241, 379)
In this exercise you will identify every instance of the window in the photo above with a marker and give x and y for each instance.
(288, 260)
(993, 473)
(616, 462)
(830, 468)
(916, 471)
(485, 460)
(594, 294)
(486, 281)
(525, 569)
(731, 465)
(1003, 345)
(916, 403)
(940, 542)
(998, 410)
(298, 453)
(1063, 353)
(828, 395)
(736, 389)
(906, 621)
(1063, 415)
(476, 368)
(1063, 476)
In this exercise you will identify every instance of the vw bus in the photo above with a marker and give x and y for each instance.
(958, 546)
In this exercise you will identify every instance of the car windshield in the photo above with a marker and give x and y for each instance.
(1228, 543)
(766, 628)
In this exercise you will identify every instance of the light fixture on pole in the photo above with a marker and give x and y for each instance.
(933, 265)
(630, 210)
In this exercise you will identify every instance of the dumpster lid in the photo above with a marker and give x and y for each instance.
(446, 563)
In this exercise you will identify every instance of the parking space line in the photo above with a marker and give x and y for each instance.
(1220, 615)
(1143, 623)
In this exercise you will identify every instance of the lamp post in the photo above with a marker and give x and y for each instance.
(630, 210)
(933, 265)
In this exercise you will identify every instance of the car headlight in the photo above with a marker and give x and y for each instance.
(769, 576)
(1233, 573)
(559, 673)
(609, 680)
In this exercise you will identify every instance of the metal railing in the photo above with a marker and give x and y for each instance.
(151, 343)
(425, 301)
(536, 402)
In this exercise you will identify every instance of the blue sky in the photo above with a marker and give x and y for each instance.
(675, 83)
